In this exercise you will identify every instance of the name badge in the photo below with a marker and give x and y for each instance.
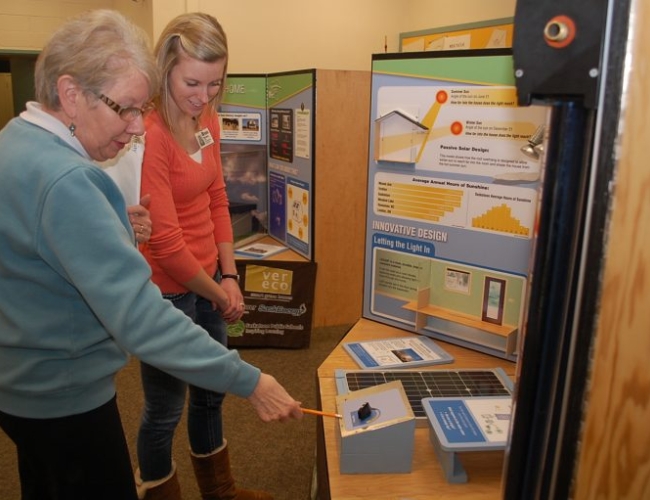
(204, 138)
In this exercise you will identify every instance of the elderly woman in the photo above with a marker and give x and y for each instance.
(75, 293)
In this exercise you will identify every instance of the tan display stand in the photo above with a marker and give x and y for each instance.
(341, 159)
(427, 479)
(340, 185)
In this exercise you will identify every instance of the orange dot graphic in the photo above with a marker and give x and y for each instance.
(456, 128)
(441, 96)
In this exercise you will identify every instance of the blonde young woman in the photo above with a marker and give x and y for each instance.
(75, 293)
(190, 251)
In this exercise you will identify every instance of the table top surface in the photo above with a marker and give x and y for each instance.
(426, 480)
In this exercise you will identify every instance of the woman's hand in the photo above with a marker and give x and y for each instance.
(272, 402)
(235, 309)
(140, 219)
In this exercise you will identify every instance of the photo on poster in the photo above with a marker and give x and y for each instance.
(457, 281)
(298, 210)
(494, 294)
(244, 171)
(277, 206)
(241, 126)
(281, 134)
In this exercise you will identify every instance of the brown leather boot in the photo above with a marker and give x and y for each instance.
(166, 488)
(215, 480)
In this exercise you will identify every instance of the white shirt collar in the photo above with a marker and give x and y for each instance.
(35, 114)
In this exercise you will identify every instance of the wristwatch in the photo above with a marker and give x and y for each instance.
(230, 276)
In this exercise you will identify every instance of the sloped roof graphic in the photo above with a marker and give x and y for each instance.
(404, 116)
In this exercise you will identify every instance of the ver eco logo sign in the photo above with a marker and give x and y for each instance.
(263, 279)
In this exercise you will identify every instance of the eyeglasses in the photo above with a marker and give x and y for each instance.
(127, 114)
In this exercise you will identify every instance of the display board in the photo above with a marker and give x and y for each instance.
(291, 159)
(493, 34)
(454, 176)
(267, 164)
(273, 180)
(267, 133)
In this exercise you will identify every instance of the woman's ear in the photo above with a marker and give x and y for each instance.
(69, 94)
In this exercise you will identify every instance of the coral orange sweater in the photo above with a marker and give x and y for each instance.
(189, 206)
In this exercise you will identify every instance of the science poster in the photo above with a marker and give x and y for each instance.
(290, 159)
(454, 180)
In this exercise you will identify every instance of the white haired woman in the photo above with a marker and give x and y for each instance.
(76, 294)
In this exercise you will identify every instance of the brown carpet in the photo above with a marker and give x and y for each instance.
(278, 458)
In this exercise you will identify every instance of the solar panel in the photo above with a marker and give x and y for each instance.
(427, 384)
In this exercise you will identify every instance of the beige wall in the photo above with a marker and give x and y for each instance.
(425, 14)
(268, 36)
(337, 34)
(27, 24)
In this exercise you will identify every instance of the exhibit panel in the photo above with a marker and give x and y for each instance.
(267, 132)
(271, 155)
(276, 278)
(290, 101)
(454, 179)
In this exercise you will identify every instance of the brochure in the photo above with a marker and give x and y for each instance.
(259, 250)
(399, 352)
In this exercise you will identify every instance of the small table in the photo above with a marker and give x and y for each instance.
(427, 478)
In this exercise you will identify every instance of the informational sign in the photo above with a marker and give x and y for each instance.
(481, 423)
(291, 168)
(453, 190)
(399, 352)
(279, 301)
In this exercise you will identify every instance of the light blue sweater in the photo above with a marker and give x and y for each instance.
(75, 294)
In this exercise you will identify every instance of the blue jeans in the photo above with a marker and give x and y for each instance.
(165, 399)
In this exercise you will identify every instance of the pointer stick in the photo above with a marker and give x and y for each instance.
(321, 413)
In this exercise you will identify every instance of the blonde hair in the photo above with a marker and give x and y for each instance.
(96, 48)
(198, 36)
